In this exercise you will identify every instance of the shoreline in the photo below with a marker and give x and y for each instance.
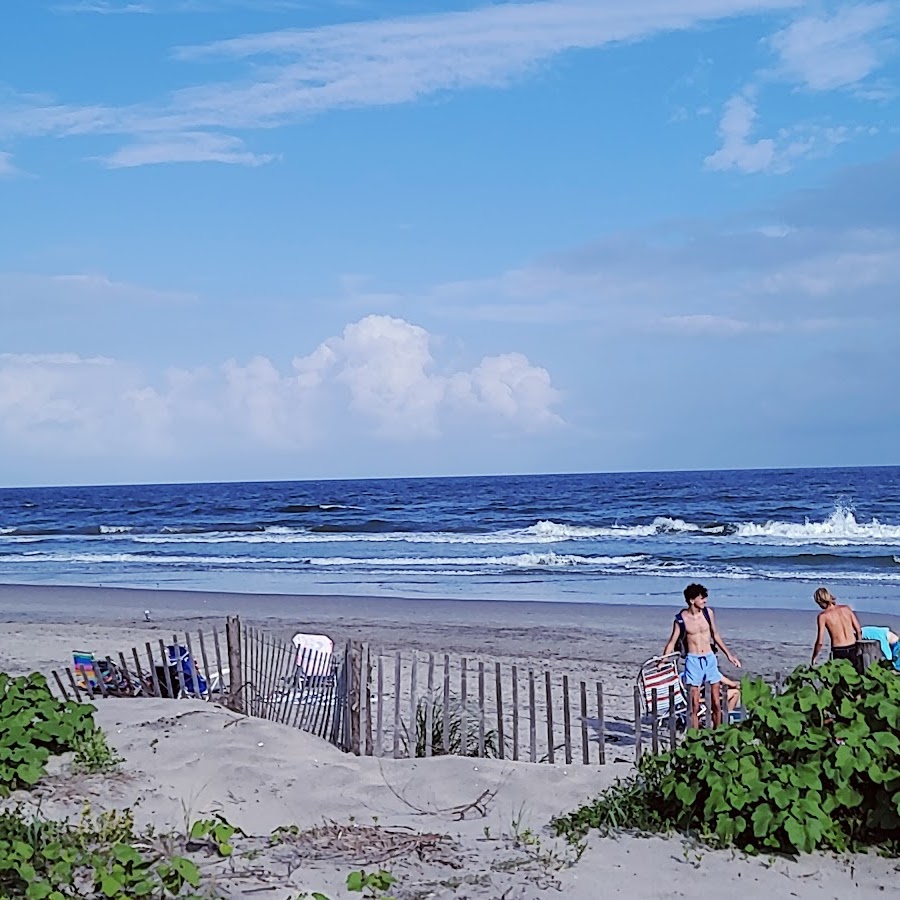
(224, 598)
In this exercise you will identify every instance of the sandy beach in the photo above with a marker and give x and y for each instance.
(447, 827)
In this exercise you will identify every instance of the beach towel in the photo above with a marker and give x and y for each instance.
(880, 633)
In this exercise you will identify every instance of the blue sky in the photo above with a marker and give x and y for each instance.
(243, 239)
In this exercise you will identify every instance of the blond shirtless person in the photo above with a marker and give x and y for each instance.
(700, 664)
(842, 626)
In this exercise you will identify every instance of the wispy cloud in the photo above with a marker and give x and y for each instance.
(828, 52)
(115, 7)
(7, 169)
(292, 74)
(820, 53)
(186, 147)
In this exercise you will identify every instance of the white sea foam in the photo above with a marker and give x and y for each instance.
(840, 529)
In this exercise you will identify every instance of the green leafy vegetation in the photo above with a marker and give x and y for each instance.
(35, 725)
(97, 857)
(815, 767)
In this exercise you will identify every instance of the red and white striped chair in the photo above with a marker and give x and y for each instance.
(661, 674)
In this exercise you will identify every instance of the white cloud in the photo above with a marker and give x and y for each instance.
(186, 147)
(80, 290)
(114, 7)
(387, 367)
(828, 52)
(771, 154)
(293, 73)
(377, 377)
(7, 169)
(737, 150)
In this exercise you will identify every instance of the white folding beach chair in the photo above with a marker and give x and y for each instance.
(315, 659)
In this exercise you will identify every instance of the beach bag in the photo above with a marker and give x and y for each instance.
(681, 643)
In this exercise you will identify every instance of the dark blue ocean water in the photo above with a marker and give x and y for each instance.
(754, 537)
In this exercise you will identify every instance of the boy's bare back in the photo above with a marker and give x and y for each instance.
(841, 623)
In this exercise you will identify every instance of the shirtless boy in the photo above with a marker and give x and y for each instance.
(700, 664)
(841, 624)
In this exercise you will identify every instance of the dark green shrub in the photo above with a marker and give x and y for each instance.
(817, 766)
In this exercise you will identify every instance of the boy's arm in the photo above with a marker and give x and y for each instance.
(673, 639)
(820, 638)
(718, 639)
(857, 628)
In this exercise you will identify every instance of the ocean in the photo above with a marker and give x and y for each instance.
(755, 538)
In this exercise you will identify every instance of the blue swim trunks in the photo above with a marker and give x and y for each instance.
(700, 669)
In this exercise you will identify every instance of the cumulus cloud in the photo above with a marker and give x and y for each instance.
(380, 370)
(387, 366)
(740, 152)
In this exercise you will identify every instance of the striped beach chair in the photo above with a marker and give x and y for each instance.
(660, 675)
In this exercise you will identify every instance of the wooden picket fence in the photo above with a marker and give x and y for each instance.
(248, 672)
(419, 704)
(365, 701)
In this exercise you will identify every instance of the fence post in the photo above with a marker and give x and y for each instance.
(235, 666)
(354, 694)
(637, 724)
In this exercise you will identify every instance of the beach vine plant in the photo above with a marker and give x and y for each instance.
(34, 725)
(815, 767)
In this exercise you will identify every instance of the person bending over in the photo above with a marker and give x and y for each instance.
(695, 629)
(842, 626)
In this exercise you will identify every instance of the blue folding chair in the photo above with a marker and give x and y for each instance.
(180, 661)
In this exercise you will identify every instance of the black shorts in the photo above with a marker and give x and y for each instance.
(850, 653)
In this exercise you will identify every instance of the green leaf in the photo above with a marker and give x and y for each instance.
(762, 819)
(355, 881)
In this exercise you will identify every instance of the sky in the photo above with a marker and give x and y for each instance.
(302, 239)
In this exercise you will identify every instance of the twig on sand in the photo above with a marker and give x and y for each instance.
(364, 844)
(479, 805)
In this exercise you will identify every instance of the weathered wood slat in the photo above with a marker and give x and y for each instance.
(179, 668)
(145, 682)
(60, 685)
(205, 660)
(154, 677)
(464, 708)
(397, 705)
(379, 711)
(481, 709)
(601, 724)
(548, 690)
(585, 756)
(567, 721)
(637, 724)
(445, 708)
(429, 708)
(167, 673)
(220, 673)
(74, 684)
(515, 711)
(532, 718)
(413, 705)
(501, 736)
